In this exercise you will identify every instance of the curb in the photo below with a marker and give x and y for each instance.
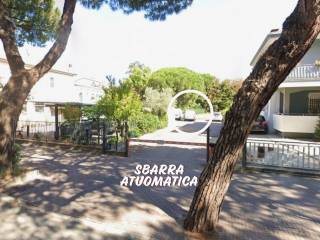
(168, 142)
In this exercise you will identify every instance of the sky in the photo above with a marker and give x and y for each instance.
(219, 37)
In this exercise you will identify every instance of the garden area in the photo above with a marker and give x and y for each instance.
(142, 98)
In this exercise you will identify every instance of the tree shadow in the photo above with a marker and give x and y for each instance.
(86, 185)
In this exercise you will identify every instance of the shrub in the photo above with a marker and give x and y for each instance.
(15, 159)
(16, 154)
(145, 123)
(157, 101)
(317, 130)
(71, 113)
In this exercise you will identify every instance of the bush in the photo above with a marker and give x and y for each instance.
(16, 154)
(145, 123)
(16, 158)
(317, 130)
(71, 113)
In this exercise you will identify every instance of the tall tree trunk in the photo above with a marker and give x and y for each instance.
(299, 32)
(12, 99)
(15, 92)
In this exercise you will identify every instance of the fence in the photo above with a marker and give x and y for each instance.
(36, 130)
(282, 154)
(304, 72)
(110, 136)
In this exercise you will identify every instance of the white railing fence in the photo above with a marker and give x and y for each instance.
(305, 72)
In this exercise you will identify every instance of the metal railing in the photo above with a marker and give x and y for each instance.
(282, 154)
(36, 130)
(298, 114)
(111, 136)
(304, 72)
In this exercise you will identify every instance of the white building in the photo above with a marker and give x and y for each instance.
(294, 108)
(56, 88)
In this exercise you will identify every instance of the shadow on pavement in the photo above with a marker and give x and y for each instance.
(83, 185)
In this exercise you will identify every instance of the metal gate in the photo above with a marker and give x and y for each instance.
(294, 155)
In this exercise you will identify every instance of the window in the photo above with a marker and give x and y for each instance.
(92, 96)
(314, 103)
(39, 107)
(81, 97)
(52, 82)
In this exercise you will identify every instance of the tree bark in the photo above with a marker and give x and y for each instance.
(15, 92)
(299, 31)
(12, 99)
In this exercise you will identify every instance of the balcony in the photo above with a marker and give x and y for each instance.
(306, 72)
(295, 123)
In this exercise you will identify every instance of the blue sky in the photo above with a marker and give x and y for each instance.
(213, 36)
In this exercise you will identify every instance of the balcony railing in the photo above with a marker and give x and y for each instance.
(304, 73)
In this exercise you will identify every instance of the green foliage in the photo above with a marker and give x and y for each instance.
(317, 130)
(36, 21)
(178, 79)
(221, 94)
(153, 10)
(138, 78)
(145, 123)
(92, 113)
(16, 154)
(15, 159)
(71, 113)
(157, 101)
(118, 104)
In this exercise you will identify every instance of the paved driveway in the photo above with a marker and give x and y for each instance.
(76, 195)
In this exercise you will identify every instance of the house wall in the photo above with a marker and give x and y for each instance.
(312, 55)
(295, 124)
(271, 108)
(295, 100)
(55, 87)
(62, 90)
(47, 115)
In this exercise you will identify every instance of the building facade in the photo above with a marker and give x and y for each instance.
(294, 108)
(55, 88)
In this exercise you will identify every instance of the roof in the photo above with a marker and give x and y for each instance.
(3, 60)
(269, 39)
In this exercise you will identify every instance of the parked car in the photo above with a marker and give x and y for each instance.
(190, 115)
(178, 114)
(260, 125)
(217, 117)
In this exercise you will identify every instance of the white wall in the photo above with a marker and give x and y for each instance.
(66, 88)
(312, 55)
(295, 124)
(271, 108)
